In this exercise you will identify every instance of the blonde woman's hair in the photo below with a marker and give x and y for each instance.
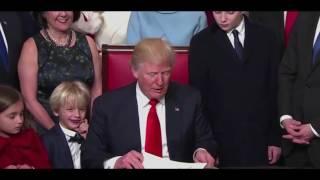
(70, 92)
(154, 50)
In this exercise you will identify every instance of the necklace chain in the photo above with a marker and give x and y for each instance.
(56, 42)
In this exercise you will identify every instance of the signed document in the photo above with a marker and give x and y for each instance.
(154, 162)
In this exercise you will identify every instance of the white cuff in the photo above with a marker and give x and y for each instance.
(109, 164)
(284, 117)
(314, 131)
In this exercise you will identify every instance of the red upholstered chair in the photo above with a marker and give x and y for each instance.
(116, 70)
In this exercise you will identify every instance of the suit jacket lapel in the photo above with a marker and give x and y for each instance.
(6, 37)
(278, 20)
(226, 45)
(309, 45)
(132, 113)
(280, 23)
(66, 152)
(249, 40)
(173, 116)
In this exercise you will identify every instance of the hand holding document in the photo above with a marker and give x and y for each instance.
(154, 162)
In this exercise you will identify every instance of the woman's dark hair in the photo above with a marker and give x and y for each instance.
(38, 15)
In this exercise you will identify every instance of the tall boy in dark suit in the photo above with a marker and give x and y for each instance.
(234, 63)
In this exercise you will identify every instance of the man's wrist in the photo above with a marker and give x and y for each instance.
(314, 131)
(110, 163)
(284, 117)
(196, 151)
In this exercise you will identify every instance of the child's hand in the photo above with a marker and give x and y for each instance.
(83, 128)
(11, 167)
(24, 166)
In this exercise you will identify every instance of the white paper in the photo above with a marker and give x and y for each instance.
(154, 162)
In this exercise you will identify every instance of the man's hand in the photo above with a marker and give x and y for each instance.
(19, 166)
(11, 167)
(274, 153)
(303, 134)
(131, 160)
(291, 126)
(204, 156)
(25, 166)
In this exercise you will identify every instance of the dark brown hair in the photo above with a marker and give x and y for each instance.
(8, 97)
(38, 15)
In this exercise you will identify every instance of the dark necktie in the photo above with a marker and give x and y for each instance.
(237, 44)
(290, 20)
(77, 138)
(4, 53)
(153, 133)
(316, 48)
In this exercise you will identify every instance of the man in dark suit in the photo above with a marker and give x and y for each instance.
(15, 27)
(299, 97)
(276, 21)
(121, 128)
(234, 64)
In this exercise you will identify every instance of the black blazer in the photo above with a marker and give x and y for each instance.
(58, 148)
(239, 97)
(114, 129)
(299, 82)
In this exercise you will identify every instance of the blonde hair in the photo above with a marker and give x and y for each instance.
(154, 50)
(70, 92)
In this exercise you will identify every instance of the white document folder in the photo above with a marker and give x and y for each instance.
(154, 162)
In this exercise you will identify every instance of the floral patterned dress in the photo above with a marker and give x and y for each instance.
(57, 64)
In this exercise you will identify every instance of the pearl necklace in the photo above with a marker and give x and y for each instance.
(59, 43)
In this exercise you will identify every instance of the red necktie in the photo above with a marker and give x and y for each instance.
(153, 134)
(290, 20)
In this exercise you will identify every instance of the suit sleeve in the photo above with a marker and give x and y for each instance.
(41, 160)
(204, 136)
(274, 60)
(47, 142)
(94, 150)
(287, 75)
(198, 69)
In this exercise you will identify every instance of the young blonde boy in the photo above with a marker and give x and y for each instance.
(69, 102)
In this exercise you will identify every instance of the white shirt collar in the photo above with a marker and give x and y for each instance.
(144, 99)
(66, 131)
